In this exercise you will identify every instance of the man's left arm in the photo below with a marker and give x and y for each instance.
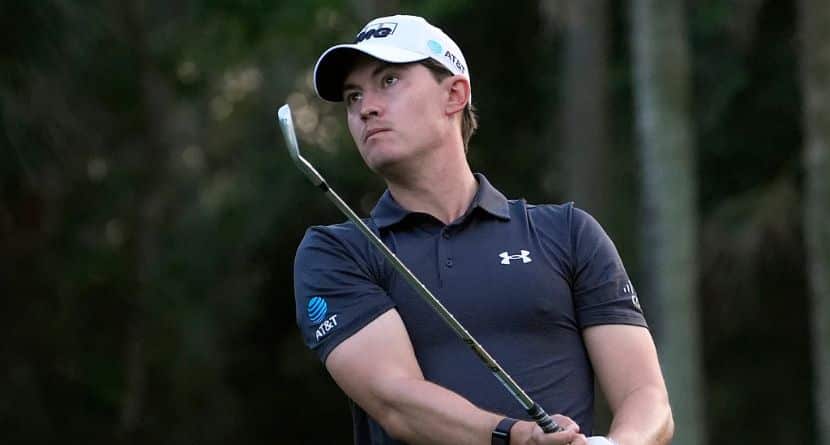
(625, 362)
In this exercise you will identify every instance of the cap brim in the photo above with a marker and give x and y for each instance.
(334, 65)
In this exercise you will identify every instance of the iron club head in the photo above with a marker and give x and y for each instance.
(287, 127)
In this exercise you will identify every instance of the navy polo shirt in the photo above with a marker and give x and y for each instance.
(523, 279)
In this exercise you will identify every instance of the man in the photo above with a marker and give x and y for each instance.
(541, 287)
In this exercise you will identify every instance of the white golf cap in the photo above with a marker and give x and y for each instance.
(393, 39)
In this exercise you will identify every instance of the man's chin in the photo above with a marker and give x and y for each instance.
(387, 168)
(381, 167)
(379, 158)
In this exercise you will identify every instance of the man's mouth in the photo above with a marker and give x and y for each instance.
(372, 132)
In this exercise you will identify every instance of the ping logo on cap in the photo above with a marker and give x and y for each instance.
(317, 309)
(378, 30)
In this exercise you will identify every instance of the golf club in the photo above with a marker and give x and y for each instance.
(533, 409)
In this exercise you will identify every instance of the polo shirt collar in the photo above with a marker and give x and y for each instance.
(490, 199)
(388, 212)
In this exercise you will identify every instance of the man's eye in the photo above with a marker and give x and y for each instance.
(390, 80)
(353, 97)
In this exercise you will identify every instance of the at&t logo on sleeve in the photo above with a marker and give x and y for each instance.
(317, 311)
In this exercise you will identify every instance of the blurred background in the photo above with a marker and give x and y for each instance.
(149, 213)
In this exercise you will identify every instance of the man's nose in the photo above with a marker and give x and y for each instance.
(370, 106)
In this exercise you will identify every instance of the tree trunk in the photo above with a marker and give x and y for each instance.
(814, 23)
(662, 97)
(583, 119)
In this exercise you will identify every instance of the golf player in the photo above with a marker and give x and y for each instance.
(541, 287)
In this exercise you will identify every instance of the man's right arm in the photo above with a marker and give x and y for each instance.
(376, 367)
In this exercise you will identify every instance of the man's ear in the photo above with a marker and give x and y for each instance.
(459, 93)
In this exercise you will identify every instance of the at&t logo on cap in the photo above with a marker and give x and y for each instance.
(435, 47)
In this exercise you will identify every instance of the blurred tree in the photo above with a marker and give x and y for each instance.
(369, 9)
(582, 114)
(753, 283)
(143, 144)
(814, 26)
(662, 87)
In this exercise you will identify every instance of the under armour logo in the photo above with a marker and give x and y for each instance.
(524, 256)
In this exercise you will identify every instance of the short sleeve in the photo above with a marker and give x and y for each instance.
(337, 288)
(602, 291)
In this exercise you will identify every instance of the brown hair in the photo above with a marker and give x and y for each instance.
(469, 120)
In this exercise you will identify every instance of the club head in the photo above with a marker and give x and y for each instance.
(287, 127)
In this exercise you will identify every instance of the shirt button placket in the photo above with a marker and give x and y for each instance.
(444, 251)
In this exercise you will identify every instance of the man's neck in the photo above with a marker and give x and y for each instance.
(444, 190)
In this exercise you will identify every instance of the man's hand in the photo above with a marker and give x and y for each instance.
(529, 433)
